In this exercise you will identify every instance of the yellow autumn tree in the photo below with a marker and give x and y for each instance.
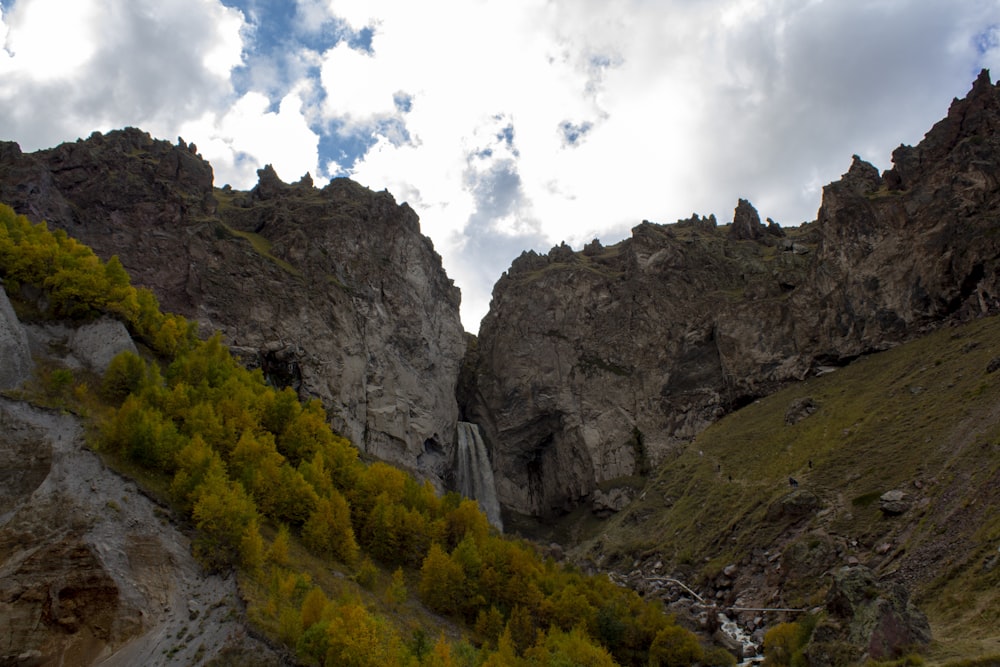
(328, 530)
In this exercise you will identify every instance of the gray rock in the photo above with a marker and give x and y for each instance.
(794, 505)
(894, 502)
(95, 344)
(746, 223)
(611, 502)
(876, 615)
(799, 409)
(16, 364)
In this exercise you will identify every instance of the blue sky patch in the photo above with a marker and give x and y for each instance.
(574, 132)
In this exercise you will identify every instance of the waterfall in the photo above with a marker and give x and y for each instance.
(474, 473)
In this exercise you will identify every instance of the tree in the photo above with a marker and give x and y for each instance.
(440, 655)
(356, 638)
(781, 642)
(568, 649)
(313, 607)
(489, 626)
(674, 647)
(441, 582)
(521, 629)
(196, 462)
(396, 593)
(278, 553)
(223, 514)
(328, 530)
(123, 376)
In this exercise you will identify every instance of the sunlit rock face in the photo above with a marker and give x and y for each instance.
(592, 366)
(332, 291)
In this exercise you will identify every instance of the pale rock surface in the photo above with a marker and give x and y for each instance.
(16, 364)
(91, 570)
(95, 344)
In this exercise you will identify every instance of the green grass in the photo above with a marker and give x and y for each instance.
(262, 246)
(923, 418)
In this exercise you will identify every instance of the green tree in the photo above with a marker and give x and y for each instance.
(674, 647)
(396, 592)
(781, 643)
(124, 375)
(568, 649)
(442, 582)
(328, 531)
(223, 515)
(313, 607)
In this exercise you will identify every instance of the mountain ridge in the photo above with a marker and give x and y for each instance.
(333, 291)
(597, 373)
(594, 365)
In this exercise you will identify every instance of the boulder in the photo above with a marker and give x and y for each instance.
(795, 505)
(799, 409)
(611, 502)
(894, 502)
(97, 343)
(876, 615)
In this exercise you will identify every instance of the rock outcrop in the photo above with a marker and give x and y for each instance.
(866, 619)
(333, 291)
(90, 570)
(15, 355)
(592, 366)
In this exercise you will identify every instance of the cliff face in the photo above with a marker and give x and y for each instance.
(333, 291)
(593, 366)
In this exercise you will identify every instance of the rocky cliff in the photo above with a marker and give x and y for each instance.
(331, 290)
(593, 366)
(91, 569)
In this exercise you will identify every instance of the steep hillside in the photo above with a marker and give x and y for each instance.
(332, 291)
(594, 366)
(896, 460)
(94, 572)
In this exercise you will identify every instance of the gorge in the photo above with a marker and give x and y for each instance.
(599, 381)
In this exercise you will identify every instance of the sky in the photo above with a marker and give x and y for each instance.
(507, 125)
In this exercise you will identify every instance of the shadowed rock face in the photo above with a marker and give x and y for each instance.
(333, 291)
(593, 365)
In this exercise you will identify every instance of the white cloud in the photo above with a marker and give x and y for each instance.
(248, 135)
(511, 125)
(49, 39)
(87, 65)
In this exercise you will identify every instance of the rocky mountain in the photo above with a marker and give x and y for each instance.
(593, 367)
(332, 291)
(596, 374)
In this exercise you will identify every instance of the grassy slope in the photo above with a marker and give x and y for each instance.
(923, 418)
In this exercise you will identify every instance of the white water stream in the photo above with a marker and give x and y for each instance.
(750, 649)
